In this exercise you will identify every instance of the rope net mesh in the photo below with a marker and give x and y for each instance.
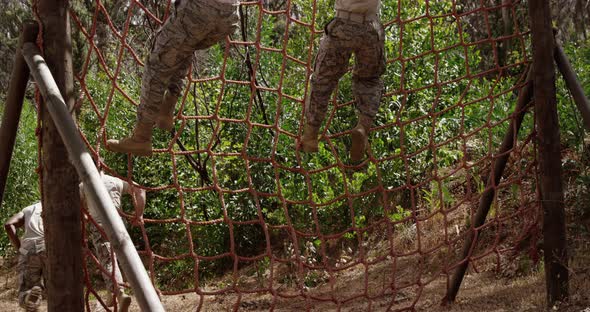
(238, 218)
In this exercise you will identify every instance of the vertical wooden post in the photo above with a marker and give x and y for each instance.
(14, 103)
(547, 124)
(61, 199)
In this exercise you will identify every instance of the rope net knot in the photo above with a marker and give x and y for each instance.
(238, 217)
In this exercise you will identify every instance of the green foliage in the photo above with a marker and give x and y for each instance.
(399, 214)
(438, 197)
(22, 185)
(250, 181)
(12, 15)
(570, 121)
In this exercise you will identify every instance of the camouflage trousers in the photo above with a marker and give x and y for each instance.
(341, 39)
(32, 272)
(102, 251)
(195, 25)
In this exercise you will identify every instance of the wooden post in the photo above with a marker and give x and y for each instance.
(572, 83)
(14, 104)
(61, 199)
(96, 192)
(487, 197)
(549, 151)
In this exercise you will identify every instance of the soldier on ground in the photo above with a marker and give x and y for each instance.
(102, 247)
(32, 257)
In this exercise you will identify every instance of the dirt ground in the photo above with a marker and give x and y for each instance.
(486, 291)
(417, 277)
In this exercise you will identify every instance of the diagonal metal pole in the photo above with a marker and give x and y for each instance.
(485, 202)
(115, 229)
(14, 104)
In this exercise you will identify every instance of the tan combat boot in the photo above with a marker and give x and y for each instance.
(165, 120)
(360, 141)
(140, 142)
(33, 299)
(124, 301)
(309, 140)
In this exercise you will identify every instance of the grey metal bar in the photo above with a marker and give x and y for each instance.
(115, 229)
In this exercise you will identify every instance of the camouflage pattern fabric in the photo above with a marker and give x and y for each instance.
(102, 250)
(342, 38)
(358, 6)
(195, 25)
(32, 272)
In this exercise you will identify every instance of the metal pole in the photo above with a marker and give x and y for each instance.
(549, 151)
(487, 197)
(115, 229)
(14, 104)
(573, 84)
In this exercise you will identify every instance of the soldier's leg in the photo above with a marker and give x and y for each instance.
(170, 56)
(227, 24)
(367, 86)
(165, 119)
(30, 280)
(224, 20)
(172, 50)
(102, 250)
(178, 80)
(23, 288)
(44, 272)
(331, 64)
(112, 267)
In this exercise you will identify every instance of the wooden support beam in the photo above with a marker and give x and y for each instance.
(14, 104)
(573, 84)
(487, 197)
(549, 153)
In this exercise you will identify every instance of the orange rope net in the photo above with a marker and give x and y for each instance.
(238, 218)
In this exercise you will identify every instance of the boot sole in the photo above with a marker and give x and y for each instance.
(127, 150)
(359, 145)
(34, 299)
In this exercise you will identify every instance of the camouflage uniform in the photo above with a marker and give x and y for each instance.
(100, 245)
(344, 36)
(32, 257)
(31, 273)
(102, 250)
(195, 25)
